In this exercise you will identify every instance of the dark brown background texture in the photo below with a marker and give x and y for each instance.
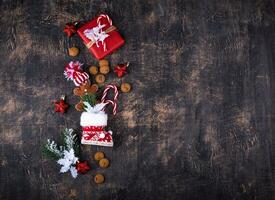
(199, 123)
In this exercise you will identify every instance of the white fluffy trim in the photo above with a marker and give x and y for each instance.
(93, 119)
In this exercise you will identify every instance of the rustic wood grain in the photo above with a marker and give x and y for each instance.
(199, 123)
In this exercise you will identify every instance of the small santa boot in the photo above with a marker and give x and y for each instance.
(94, 119)
(93, 124)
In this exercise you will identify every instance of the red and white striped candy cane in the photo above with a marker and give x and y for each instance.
(107, 101)
(104, 16)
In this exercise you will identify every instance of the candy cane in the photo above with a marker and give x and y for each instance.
(114, 102)
(104, 16)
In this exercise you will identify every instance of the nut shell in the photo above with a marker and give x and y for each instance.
(93, 70)
(99, 155)
(104, 163)
(99, 178)
(103, 62)
(73, 51)
(105, 69)
(100, 78)
(125, 87)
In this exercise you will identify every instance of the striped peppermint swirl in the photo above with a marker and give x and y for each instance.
(74, 72)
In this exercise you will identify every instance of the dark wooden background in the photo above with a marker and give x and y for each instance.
(199, 123)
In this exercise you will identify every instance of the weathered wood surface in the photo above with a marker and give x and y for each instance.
(199, 123)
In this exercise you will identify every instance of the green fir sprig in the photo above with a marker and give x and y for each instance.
(51, 150)
(90, 98)
(69, 140)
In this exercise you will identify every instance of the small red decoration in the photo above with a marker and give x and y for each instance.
(82, 167)
(74, 72)
(60, 106)
(70, 29)
(121, 69)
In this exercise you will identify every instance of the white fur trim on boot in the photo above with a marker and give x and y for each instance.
(93, 119)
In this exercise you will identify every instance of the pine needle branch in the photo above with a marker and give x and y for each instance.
(70, 140)
(90, 98)
(51, 150)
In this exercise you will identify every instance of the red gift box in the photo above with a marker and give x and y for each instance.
(100, 36)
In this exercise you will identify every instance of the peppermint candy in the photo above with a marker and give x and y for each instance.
(74, 72)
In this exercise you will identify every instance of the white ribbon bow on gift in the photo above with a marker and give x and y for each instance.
(97, 35)
(98, 108)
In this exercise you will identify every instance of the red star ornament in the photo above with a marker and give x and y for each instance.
(60, 106)
(69, 29)
(121, 69)
(82, 167)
